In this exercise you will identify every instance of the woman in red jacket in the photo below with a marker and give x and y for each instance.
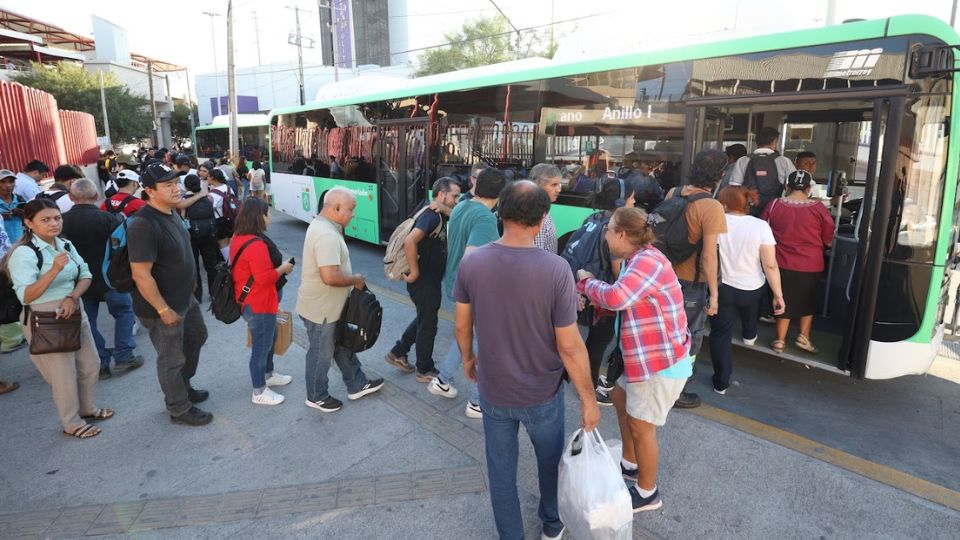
(802, 228)
(258, 265)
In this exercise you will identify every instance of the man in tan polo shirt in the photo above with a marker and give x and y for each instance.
(326, 281)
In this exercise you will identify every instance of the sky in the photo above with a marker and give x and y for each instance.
(178, 32)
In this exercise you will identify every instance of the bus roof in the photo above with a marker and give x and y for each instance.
(243, 120)
(489, 75)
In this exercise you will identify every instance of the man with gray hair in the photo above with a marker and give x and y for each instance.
(548, 177)
(326, 280)
(89, 229)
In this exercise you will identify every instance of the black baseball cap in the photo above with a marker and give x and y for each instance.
(155, 173)
(182, 159)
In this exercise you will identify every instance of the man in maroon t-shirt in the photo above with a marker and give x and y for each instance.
(526, 334)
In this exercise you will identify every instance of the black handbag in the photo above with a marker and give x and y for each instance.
(48, 334)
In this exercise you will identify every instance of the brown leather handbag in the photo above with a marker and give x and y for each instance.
(48, 334)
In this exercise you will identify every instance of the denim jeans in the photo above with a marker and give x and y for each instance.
(422, 330)
(695, 297)
(246, 188)
(120, 306)
(178, 353)
(544, 425)
(263, 329)
(733, 304)
(323, 351)
(452, 365)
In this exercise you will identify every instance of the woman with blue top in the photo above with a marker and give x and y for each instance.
(49, 276)
(654, 342)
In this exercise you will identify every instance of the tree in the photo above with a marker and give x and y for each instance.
(180, 122)
(482, 42)
(76, 89)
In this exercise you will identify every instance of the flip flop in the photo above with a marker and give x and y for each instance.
(98, 414)
(85, 431)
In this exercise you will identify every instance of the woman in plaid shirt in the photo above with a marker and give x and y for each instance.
(654, 342)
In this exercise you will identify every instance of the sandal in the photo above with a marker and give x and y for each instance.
(804, 343)
(99, 414)
(6, 387)
(778, 345)
(85, 431)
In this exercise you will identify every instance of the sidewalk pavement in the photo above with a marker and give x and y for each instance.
(398, 464)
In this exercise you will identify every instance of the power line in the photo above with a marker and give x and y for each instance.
(314, 66)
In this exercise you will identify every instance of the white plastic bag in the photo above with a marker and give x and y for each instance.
(594, 502)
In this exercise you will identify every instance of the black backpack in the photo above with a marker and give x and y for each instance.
(10, 306)
(669, 223)
(762, 175)
(359, 324)
(587, 249)
(202, 220)
(224, 303)
(52, 195)
(116, 260)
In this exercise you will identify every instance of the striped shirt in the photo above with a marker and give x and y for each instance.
(653, 332)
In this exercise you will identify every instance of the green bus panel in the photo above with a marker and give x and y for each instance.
(365, 224)
(568, 218)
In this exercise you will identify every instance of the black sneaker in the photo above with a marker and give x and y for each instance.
(628, 474)
(105, 373)
(193, 417)
(605, 385)
(129, 365)
(687, 400)
(197, 396)
(603, 400)
(645, 504)
(369, 388)
(331, 404)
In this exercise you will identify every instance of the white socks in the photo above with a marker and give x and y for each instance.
(644, 493)
(628, 465)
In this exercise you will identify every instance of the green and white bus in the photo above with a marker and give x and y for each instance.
(872, 99)
(213, 139)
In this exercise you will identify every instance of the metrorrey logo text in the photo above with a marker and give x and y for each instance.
(305, 199)
(859, 63)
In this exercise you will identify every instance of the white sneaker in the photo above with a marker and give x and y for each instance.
(473, 410)
(750, 342)
(279, 379)
(267, 397)
(438, 388)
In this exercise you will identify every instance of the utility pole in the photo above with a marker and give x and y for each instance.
(332, 25)
(232, 84)
(297, 39)
(831, 12)
(953, 14)
(153, 107)
(256, 33)
(103, 103)
(193, 125)
(216, 72)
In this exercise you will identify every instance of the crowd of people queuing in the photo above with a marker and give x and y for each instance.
(625, 332)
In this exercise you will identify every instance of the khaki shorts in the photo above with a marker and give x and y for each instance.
(652, 399)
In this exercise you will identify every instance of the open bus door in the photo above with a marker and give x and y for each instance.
(847, 298)
(402, 171)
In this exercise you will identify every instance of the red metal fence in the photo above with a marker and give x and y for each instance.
(31, 128)
(79, 137)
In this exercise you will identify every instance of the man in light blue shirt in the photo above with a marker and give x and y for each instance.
(28, 181)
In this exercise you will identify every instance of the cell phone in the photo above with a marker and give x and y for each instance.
(292, 261)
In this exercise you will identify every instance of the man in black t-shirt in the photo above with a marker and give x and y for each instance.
(161, 261)
(426, 251)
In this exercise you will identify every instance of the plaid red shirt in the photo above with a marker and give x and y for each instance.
(653, 331)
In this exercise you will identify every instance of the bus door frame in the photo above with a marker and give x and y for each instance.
(404, 207)
(889, 106)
